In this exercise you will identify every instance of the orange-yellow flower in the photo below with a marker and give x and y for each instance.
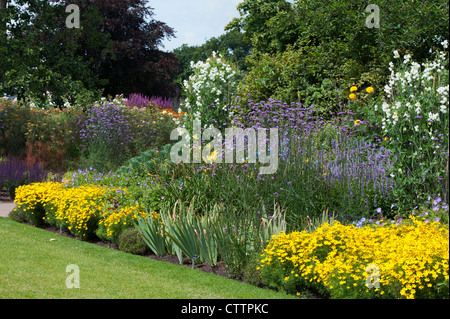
(369, 89)
(352, 96)
(353, 89)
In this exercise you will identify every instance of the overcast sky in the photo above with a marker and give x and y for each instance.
(194, 21)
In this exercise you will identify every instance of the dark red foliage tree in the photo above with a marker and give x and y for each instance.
(137, 65)
(133, 61)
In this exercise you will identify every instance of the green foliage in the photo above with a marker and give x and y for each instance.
(268, 24)
(209, 92)
(15, 121)
(45, 61)
(36, 215)
(44, 136)
(111, 134)
(313, 52)
(130, 241)
(197, 237)
(414, 119)
(230, 45)
(151, 162)
(152, 231)
(295, 75)
(18, 215)
(250, 273)
(34, 63)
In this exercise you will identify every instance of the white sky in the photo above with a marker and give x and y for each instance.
(194, 21)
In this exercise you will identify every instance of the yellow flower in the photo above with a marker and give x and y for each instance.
(386, 139)
(357, 122)
(353, 89)
(369, 89)
(406, 260)
(352, 96)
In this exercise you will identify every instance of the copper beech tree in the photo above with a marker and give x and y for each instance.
(115, 50)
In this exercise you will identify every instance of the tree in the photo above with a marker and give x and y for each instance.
(138, 65)
(268, 24)
(231, 45)
(317, 50)
(40, 54)
(115, 50)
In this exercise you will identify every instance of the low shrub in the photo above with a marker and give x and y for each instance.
(84, 211)
(250, 273)
(152, 162)
(14, 121)
(38, 135)
(130, 241)
(18, 215)
(74, 209)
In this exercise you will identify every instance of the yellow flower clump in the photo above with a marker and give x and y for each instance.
(31, 195)
(78, 208)
(412, 258)
(123, 216)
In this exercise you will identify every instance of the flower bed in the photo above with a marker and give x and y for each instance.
(84, 211)
(406, 260)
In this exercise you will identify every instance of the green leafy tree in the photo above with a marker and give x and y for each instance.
(40, 57)
(268, 24)
(316, 50)
(231, 45)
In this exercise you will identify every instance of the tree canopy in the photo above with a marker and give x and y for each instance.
(231, 45)
(115, 50)
(313, 50)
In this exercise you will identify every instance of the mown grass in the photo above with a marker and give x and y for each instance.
(33, 264)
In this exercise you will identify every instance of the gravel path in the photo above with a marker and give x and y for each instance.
(6, 206)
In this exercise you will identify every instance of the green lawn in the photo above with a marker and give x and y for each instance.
(34, 266)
